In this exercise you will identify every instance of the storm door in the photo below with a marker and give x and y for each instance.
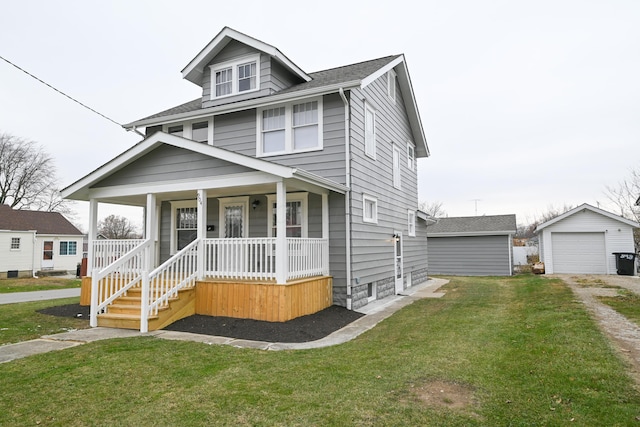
(47, 255)
(397, 261)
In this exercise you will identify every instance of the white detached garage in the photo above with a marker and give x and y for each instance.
(583, 240)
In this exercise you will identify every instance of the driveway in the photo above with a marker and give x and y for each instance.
(624, 334)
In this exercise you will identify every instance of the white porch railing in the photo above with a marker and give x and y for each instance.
(163, 283)
(307, 257)
(255, 258)
(117, 278)
(106, 252)
(250, 258)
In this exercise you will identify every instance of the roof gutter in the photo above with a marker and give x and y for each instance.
(243, 105)
(347, 194)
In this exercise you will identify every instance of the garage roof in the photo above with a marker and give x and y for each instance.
(487, 225)
(585, 207)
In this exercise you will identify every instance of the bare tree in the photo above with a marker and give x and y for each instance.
(433, 209)
(117, 227)
(624, 197)
(28, 176)
(528, 231)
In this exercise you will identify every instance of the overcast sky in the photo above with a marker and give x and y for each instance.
(525, 104)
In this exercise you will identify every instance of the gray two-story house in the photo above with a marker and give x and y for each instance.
(273, 195)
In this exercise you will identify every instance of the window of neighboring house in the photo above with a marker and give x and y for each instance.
(68, 248)
(411, 223)
(175, 130)
(369, 131)
(296, 211)
(290, 128)
(200, 131)
(15, 243)
(234, 77)
(397, 170)
(369, 209)
(391, 85)
(411, 156)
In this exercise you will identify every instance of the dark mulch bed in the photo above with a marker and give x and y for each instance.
(302, 329)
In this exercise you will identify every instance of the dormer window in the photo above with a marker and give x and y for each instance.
(235, 77)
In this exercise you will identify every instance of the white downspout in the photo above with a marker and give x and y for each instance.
(36, 251)
(347, 196)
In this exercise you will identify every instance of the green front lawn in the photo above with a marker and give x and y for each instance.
(515, 351)
(41, 284)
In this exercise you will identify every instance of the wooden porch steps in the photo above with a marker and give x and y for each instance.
(124, 313)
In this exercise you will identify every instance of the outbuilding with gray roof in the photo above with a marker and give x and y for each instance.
(472, 246)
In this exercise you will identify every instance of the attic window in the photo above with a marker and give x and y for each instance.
(235, 77)
(391, 85)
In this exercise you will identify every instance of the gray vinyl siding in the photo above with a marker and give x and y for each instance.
(281, 78)
(373, 249)
(470, 255)
(167, 163)
(337, 248)
(237, 132)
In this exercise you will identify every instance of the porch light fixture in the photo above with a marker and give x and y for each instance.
(395, 237)
(255, 204)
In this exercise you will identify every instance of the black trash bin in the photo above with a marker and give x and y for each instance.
(625, 263)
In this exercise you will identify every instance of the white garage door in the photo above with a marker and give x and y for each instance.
(579, 253)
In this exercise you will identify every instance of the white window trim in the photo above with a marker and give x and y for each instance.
(234, 201)
(19, 248)
(411, 223)
(67, 242)
(288, 128)
(411, 156)
(174, 233)
(302, 197)
(374, 291)
(234, 75)
(370, 152)
(366, 198)
(396, 167)
(391, 85)
(187, 128)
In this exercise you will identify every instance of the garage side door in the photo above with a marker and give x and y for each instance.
(469, 256)
(582, 253)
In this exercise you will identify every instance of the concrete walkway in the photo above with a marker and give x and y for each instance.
(374, 313)
(15, 297)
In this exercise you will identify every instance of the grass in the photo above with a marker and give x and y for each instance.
(517, 351)
(21, 322)
(41, 284)
(626, 303)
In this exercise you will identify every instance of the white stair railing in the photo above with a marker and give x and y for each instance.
(162, 284)
(117, 278)
(106, 252)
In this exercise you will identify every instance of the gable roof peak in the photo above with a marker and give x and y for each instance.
(195, 68)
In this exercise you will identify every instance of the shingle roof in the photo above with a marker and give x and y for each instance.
(42, 222)
(474, 225)
(319, 79)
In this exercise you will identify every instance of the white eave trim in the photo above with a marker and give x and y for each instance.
(586, 206)
(194, 69)
(244, 105)
(472, 233)
(380, 72)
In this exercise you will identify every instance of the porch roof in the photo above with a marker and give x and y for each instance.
(82, 189)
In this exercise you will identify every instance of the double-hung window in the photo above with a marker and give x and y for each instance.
(15, 243)
(369, 131)
(235, 77)
(411, 223)
(289, 128)
(68, 248)
(296, 215)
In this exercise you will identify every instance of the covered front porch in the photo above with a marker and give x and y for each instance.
(244, 240)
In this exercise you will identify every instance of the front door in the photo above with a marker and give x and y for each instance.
(47, 255)
(234, 224)
(397, 260)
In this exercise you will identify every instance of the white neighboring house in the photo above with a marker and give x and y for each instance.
(32, 241)
(583, 240)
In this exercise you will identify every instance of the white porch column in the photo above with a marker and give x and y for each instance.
(282, 250)
(150, 228)
(93, 232)
(202, 230)
(325, 234)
